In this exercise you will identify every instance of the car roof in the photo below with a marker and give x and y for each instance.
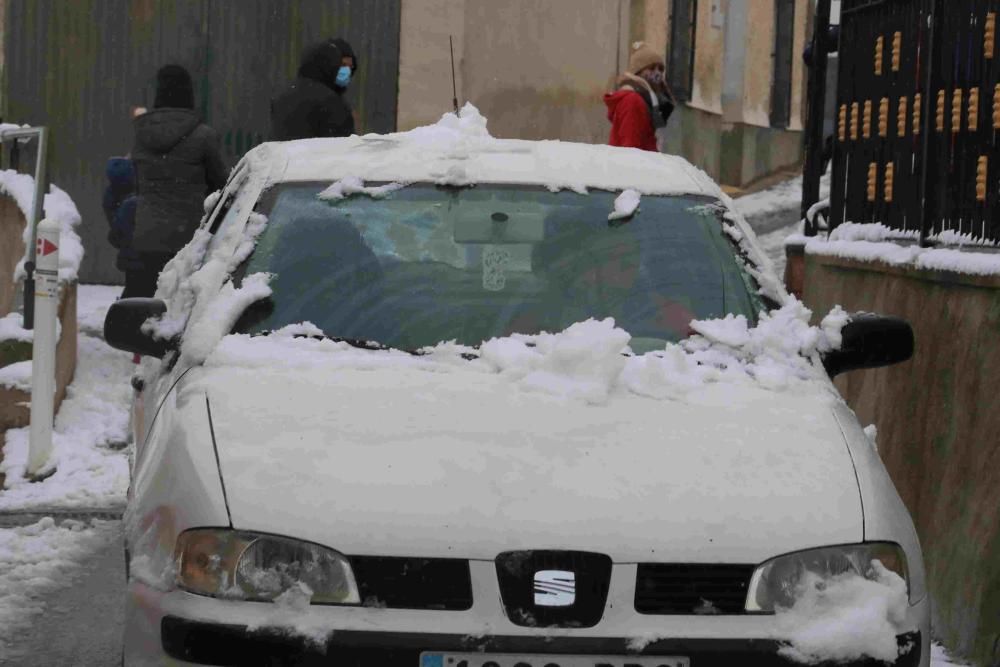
(459, 151)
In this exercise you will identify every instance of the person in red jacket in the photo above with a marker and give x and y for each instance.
(642, 103)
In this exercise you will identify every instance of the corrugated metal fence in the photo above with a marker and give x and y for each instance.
(918, 106)
(79, 67)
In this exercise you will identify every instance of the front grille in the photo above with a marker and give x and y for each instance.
(682, 588)
(591, 574)
(413, 583)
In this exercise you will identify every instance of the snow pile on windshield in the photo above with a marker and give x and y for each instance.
(36, 560)
(626, 204)
(586, 360)
(57, 206)
(352, 185)
(582, 362)
(589, 361)
(875, 243)
(845, 618)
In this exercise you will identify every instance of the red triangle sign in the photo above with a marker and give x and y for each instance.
(46, 247)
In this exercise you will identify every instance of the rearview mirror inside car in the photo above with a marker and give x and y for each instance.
(123, 327)
(870, 341)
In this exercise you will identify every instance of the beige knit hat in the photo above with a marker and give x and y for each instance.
(642, 57)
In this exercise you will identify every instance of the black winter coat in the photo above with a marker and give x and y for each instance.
(312, 106)
(177, 163)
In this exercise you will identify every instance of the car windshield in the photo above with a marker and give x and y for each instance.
(428, 264)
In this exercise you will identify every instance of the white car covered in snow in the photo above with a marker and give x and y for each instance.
(435, 399)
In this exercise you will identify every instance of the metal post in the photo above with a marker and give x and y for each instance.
(812, 171)
(43, 351)
(932, 50)
(37, 211)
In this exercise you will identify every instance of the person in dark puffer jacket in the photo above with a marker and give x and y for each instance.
(177, 163)
(313, 104)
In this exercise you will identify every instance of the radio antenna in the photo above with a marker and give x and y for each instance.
(454, 87)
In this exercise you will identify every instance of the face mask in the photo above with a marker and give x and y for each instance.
(343, 76)
(655, 77)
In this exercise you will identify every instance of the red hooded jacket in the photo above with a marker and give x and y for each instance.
(631, 125)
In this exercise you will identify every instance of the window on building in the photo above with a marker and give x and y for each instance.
(781, 90)
(683, 17)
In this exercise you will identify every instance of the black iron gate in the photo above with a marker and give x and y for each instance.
(79, 67)
(918, 111)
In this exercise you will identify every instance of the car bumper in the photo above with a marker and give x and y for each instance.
(215, 644)
(178, 628)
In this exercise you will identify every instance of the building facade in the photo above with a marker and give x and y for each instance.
(538, 70)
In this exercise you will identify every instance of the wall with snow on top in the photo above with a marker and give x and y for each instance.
(937, 414)
(58, 206)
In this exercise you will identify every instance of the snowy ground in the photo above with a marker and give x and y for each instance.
(91, 467)
(774, 215)
(36, 561)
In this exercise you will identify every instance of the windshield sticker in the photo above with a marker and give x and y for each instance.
(496, 259)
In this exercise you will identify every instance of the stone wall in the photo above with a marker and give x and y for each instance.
(11, 250)
(938, 419)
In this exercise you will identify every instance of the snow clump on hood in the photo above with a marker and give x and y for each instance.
(845, 618)
(590, 361)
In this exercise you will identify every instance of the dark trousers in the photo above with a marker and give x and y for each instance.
(142, 282)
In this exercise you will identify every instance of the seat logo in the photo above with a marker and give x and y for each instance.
(555, 588)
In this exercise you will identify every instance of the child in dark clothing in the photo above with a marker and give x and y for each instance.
(119, 208)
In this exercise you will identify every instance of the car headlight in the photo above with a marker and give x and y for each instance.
(775, 584)
(250, 566)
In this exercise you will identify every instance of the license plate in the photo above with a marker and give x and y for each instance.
(507, 660)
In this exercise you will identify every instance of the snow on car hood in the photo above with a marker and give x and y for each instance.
(554, 441)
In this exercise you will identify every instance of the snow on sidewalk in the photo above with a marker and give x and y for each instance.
(940, 657)
(92, 303)
(89, 473)
(37, 560)
(782, 201)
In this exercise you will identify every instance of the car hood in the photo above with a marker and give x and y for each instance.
(406, 462)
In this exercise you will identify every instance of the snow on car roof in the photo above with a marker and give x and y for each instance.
(458, 150)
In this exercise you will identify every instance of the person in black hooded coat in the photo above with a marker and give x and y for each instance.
(177, 163)
(313, 104)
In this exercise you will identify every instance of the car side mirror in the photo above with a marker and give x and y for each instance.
(870, 341)
(123, 327)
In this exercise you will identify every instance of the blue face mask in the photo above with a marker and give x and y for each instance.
(343, 76)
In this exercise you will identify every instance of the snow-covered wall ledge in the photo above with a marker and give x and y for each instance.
(17, 193)
(936, 415)
(954, 257)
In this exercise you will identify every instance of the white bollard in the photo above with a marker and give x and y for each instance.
(43, 356)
